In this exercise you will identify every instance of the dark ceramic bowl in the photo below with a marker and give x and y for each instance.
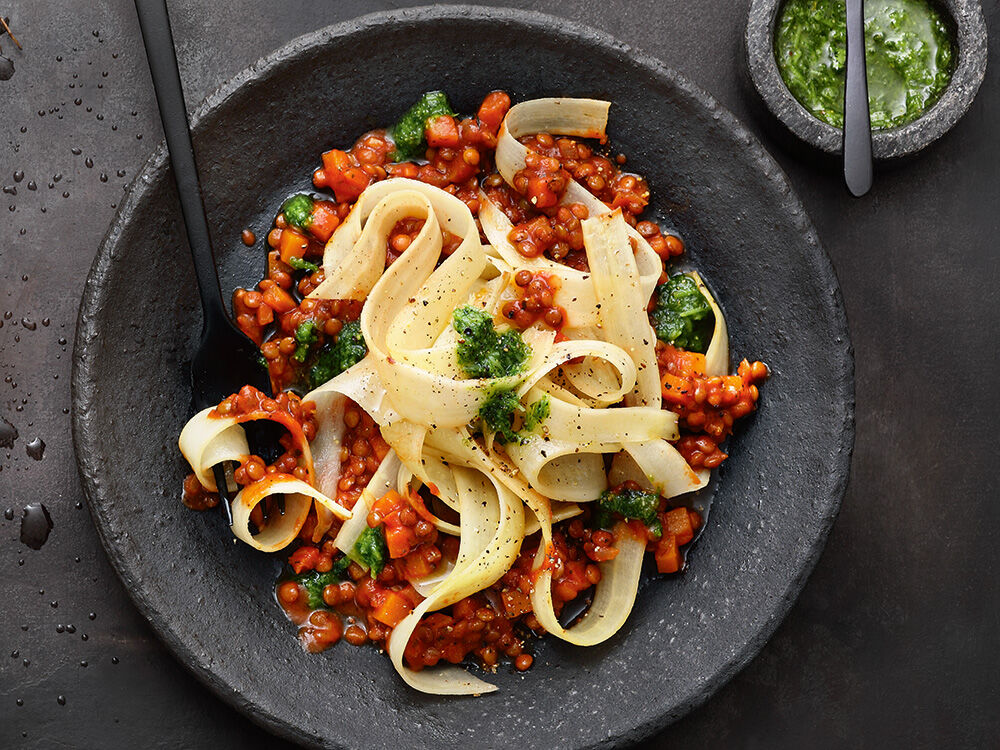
(211, 600)
(970, 37)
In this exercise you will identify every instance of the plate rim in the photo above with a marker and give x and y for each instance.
(85, 429)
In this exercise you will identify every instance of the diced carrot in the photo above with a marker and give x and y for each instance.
(293, 244)
(343, 176)
(667, 556)
(494, 109)
(674, 389)
(304, 558)
(393, 609)
(399, 540)
(441, 132)
(695, 519)
(415, 566)
(323, 220)
(278, 299)
(265, 315)
(679, 524)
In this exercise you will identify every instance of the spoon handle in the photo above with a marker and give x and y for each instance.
(159, 43)
(857, 122)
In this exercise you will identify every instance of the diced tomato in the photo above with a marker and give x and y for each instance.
(393, 609)
(678, 523)
(278, 299)
(441, 132)
(343, 175)
(493, 110)
(304, 558)
(293, 244)
(667, 556)
(324, 220)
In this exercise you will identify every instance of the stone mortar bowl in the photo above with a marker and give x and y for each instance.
(966, 18)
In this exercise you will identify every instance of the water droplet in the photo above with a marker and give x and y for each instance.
(18, 175)
(57, 176)
(8, 434)
(76, 151)
(9, 514)
(104, 177)
(20, 701)
(32, 185)
(6, 68)
(77, 101)
(36, 523)
(121, 173)
(14, 654)
(24, 628)
(29, 324)
(62, 341)
(46, 322)
(10, 190)
(35, 449)
(84, 637)
(26, 662)
(60, 628)
(65, 194)
(61, 700)
(114, 659)
(83, 663)
(54, 604)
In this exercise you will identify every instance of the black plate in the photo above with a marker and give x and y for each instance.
(259, 138)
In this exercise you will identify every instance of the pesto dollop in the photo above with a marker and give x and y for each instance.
(908, 53)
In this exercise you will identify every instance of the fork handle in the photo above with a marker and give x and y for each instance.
(159, 43)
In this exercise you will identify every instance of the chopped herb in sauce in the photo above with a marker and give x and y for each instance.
(345, 352)
(302, 265)
(298, 210)
(628, 503)
(484, 353)
(314, 582)
(409, 132)
(908, 53)
(371, 550)
(682, 316)
(305, 336)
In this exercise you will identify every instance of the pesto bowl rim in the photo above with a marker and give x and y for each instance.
(970, 36)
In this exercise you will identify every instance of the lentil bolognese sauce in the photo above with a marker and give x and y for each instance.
(493, 391)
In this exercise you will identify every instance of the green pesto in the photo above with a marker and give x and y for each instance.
(305, 336)
(909, 54)
(408, 132)
(302, 265)
(314, 582)
(629, 504)
(537, 412)
(682, 316)
(497, 413)
(345, 352)
(298, 210)
(484, 353)
(371, 550)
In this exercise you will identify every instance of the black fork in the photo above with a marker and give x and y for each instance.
(226, 359)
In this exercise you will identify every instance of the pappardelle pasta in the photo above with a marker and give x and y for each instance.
(494, 395)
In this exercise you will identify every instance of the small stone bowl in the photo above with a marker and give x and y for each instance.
(970, 37)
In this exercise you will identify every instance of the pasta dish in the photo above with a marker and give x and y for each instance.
(493, 393)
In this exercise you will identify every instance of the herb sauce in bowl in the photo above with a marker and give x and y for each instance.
(909, 53)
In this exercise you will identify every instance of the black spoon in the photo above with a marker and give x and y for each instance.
(226, 359)
(857, 120)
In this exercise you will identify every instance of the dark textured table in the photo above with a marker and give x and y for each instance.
(894, 641)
